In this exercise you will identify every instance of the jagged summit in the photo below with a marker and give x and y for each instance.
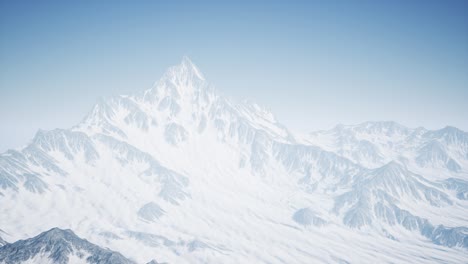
(181, 101)
(185, 71)
(184, 77)
(188, 66)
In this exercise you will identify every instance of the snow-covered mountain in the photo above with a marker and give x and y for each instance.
(181, 174)
(372, 144)
(58, 246)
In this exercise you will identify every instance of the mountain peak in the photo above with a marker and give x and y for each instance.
(187, 62)
(179, 80)
(57, 233)
(56, 230)
(187, 67)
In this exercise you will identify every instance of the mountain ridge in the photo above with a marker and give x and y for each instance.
(189, 169)
(58, 246)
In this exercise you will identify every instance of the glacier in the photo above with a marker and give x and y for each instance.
(180, 173)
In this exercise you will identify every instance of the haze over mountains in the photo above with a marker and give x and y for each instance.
(181, 174)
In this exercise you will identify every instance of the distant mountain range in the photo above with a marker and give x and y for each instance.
(180, 174)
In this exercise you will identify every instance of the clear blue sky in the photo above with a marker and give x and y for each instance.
(313, 63)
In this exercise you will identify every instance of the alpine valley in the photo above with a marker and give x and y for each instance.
(180, 174)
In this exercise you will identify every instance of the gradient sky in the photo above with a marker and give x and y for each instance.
(313, 63)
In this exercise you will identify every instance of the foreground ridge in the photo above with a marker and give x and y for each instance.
(58, 246)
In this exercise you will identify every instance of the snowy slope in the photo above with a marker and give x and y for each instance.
(180, 174)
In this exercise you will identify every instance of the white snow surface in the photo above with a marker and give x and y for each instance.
(180, 174)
